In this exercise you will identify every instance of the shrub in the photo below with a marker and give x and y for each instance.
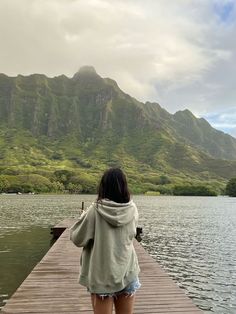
(165, 189)
(4, 184)
(164, 180)
(152, 193)
(231, 187)
(28, 183)
(63, 176)
(74, 188)
(57, 186)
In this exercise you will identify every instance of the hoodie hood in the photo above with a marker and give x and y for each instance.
(116, 214)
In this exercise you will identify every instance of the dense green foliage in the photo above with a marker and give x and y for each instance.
(201, 190)
(231, 187)
(60, 134)
(38, 184)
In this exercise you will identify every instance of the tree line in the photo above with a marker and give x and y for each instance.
(66, 181)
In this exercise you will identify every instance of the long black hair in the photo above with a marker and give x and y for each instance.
(113, 186)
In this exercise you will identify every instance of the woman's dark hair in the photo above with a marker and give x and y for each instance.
(113, 185)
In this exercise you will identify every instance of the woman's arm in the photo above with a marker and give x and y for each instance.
(83, 230)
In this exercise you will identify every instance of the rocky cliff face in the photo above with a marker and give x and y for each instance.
(101, 117)
(85, 104)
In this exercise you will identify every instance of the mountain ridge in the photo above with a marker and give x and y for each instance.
(89, 120)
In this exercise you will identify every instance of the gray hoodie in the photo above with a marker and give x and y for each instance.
(106, 232)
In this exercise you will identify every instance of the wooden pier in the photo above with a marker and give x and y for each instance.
(52, 286)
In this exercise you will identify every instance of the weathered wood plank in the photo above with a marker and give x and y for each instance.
(52, 287)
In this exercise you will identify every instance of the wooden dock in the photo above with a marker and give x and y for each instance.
(52, 286)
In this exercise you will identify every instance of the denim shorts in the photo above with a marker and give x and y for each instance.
(129, 290)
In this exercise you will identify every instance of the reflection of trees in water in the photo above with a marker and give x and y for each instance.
(20, 251)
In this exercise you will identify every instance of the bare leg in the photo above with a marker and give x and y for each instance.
(124, 304)
(101, 306)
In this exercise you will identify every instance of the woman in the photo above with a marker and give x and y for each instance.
(109, 265)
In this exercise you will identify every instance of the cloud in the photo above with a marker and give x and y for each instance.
(224, 120)
(233, 132)
(178, 53)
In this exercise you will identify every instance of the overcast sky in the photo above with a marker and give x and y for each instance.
(179, 53)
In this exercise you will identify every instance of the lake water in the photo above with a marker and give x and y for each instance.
(193, 238)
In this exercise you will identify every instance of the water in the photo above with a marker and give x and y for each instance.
(25, 222)
(193, 238)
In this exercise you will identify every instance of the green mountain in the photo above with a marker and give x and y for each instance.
(84, 124)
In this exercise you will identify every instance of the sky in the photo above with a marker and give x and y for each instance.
(179, 53)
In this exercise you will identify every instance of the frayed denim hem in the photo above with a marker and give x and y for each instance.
(128, 291)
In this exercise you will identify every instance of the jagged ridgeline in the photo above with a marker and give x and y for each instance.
(66, 131)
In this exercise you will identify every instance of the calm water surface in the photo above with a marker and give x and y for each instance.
(193, 238)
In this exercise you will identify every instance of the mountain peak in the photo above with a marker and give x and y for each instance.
(184, 113)
(86, 71)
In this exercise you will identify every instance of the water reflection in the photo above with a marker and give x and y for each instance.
(25, 222)
(20, 251)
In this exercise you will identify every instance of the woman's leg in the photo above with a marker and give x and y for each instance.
(101, 305)
(124, 304)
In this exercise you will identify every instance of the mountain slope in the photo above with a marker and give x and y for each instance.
(87, 123)
(201, 134)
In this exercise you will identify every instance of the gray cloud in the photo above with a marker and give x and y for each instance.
(178, 53)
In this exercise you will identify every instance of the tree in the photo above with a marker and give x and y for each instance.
(57, 186)
(74, 188)
(164, 180)
(231, 187)
(4, 184)
(194, 190)
(63, 176)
